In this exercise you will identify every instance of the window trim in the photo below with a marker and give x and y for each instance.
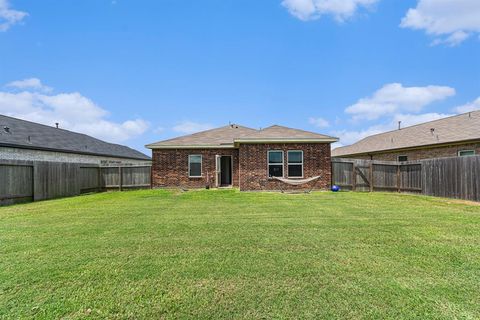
(402, 155)
(302, 164)
(466, 150)
(275, 164)
(201, 165)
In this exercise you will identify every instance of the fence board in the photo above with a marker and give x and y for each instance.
(90, 179)
(456, 177)
(452, 177)
(38, 180)
(135, 176)
(55, 180)
(111, 177)
(385, 177)
(342, 174)
(16, 183)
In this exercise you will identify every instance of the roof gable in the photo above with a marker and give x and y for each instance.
(463, 127)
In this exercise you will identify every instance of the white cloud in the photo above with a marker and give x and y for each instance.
(450, 21)
(348, 137)
(395, 98)
(341, 10)
(191, 127)
(31, 83)
(8, 16)
(471, 106)
(319, 122)
(72, 111)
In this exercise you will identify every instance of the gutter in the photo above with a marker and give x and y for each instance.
(279, 140)
(152, 146)
(72, 151)
(240, 141)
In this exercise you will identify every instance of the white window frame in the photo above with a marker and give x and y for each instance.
(295, 164)
(201, 165)
(275, 164)
(402, 155)
(468, 150)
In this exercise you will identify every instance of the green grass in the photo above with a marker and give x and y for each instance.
(226, 254)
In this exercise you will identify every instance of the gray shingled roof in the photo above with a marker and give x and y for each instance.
(227, 136)
(31, 135)
(463, 127)
(281, 133)
(219, 137)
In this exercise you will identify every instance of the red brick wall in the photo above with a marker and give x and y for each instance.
(170, 167)
(419, 154)
(254, 171)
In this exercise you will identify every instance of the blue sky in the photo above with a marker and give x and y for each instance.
(135, 72)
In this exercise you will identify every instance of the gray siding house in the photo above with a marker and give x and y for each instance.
(25, 140)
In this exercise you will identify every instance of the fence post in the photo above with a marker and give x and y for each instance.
(354, 177)
(99, 177)
(371, 176)
(120, 178)
(399, 182)
(33, 182)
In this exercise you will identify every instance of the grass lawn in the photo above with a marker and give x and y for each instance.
(226, 254)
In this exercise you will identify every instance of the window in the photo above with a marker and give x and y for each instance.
(402, 158)
(464, 153)
(194, 166)
(295, 163)
(275, 163)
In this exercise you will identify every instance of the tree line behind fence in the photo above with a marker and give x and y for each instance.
(457, 177)
(24, 181)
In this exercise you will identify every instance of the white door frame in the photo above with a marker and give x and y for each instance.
(218, 170)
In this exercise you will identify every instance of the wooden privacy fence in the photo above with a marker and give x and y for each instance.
(24, 181)
(457, 177)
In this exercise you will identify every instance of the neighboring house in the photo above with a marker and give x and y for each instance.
(25, 140)
(242, 157)
(448, 137)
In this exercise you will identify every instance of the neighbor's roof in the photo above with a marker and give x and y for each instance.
(226, 137)
(30, 135)
(463, 127)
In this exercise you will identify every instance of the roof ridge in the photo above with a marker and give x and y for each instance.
(253, 135)
(198, 135)
(66, 130)
(40, 128)
(408, 127)
(458, 127)
(44, 125)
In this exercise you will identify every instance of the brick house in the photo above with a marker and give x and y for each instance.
(448, 137)
(242, 157)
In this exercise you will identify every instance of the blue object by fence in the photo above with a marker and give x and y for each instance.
(335, 188)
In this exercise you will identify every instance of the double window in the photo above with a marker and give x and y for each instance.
(294, 163)
(195, 166)
(275, 163)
